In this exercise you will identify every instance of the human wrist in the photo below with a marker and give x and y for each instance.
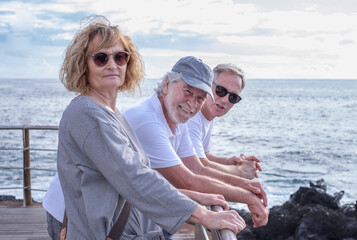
(247, 197)
(200, 215)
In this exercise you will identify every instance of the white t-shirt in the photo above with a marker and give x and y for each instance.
(163, 148)
(200, 132)
(53, 202)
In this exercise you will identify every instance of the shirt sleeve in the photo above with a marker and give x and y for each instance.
(186, 148)
(206, 141)
(195, 132)
(114, 155)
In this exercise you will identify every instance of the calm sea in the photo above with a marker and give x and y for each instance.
(302, 130)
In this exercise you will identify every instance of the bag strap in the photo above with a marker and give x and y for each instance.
(116, 230)
(118, 227)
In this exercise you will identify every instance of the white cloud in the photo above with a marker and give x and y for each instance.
(308, 40)
(276, 39)
(186, 16)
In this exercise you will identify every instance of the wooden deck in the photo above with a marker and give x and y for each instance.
(17, 222)
(29, 223)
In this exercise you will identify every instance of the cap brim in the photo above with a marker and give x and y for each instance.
(197, 84)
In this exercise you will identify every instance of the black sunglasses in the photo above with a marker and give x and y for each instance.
(120, 58)
(222, 91)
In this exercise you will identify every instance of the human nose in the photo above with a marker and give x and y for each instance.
(192, 102)
(111, 62)
(225, 98)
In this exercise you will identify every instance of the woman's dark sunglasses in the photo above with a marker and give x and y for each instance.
(120, 58)
(222, 91)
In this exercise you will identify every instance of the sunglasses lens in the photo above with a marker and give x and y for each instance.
(221, 91)
(121, 58)
(234, 98)
(100, 59)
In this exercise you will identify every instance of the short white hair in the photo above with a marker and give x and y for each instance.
(173, 78)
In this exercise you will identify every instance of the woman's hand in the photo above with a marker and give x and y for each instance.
(218, 220)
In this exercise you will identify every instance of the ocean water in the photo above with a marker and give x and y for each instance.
(301, 130)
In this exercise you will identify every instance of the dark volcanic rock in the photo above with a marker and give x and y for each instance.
(8, 198)
(310, 214)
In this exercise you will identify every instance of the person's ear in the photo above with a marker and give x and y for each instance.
(165, 89)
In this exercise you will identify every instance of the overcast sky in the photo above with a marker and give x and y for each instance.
(267, 39)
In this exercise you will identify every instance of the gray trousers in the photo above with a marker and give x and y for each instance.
(53, 227)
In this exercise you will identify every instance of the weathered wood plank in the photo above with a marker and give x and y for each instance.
(21, 223)
(29, 223)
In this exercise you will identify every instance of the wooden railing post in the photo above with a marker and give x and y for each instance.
(27, 171)
(26, 161)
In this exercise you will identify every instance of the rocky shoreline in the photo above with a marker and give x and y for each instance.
(310, 214)
(9, 198)
(11, 201)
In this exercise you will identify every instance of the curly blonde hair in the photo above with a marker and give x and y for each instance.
(74, 69)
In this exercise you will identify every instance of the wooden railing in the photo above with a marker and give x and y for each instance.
(26, 148)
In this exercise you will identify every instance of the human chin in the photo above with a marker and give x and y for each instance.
(179, 115)
(180, 118)
(184, 119)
